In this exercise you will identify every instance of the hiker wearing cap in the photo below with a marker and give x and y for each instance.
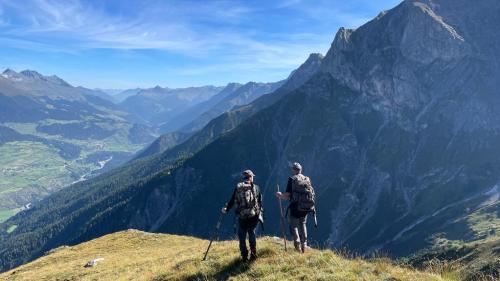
(300, 192)
(248, 201)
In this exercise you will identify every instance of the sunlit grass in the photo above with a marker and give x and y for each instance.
(5, 214)
(11, 228)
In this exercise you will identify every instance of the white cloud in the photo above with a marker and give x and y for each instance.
(87, 27)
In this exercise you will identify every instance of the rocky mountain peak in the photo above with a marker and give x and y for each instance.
(382, 56)
(233, 85)
(9, 71)
(305, 71)
(341, 40)
(314, 58)
(11, 74)
(36, 76)
(32, 74)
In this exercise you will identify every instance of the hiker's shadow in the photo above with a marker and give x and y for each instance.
(234, 268)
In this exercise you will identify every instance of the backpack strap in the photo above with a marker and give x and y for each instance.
(254, 192)
(294, 188)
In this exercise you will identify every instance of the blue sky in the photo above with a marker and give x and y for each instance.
(127, 44)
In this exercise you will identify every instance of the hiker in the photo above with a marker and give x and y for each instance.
(302, 200)
(248, 199)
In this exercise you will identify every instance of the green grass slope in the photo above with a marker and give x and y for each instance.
(135, 255)
(478, 260)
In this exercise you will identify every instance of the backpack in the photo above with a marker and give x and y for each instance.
(246, 198)
(303, 195)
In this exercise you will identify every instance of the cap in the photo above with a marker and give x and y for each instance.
(297, 166)
(248, 173)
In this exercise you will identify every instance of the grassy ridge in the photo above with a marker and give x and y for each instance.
(135, 255)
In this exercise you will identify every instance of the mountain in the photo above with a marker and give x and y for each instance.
(190, 114)
(157, 105)
(171, 257)
(398, 131)
(53, 134)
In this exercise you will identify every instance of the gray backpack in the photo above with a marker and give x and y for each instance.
(246, 198)
(303, 193)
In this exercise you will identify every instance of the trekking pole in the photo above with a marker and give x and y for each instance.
(282, 219)
(216, 232)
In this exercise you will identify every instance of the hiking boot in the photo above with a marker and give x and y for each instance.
(297, 246)
(244, 258)
(253, 255)
(304, 248)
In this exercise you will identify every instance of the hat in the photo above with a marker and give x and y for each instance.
(296, 166)
(248, 173)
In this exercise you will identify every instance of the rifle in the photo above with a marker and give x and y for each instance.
(216, 232)
(282, 219)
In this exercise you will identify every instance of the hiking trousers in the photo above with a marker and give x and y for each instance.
(298, 229)
(247, 226)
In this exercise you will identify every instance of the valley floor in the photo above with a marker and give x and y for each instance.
(135, 255)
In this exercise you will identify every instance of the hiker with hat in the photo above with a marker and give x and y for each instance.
(248, 201)
(300, 192)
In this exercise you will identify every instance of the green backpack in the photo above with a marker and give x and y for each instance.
(303, 193)
(246, 198)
